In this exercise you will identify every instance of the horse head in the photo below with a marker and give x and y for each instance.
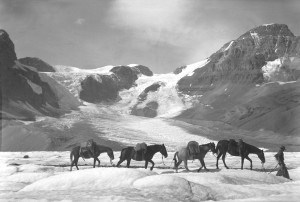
(110, 153)
(163, 151)
(261, 156)
(212, 147)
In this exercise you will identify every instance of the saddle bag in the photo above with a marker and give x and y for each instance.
(86, 149)
(193, 148)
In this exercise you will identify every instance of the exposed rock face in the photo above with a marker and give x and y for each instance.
(24, 93)
(141, 69)
(126, 76)
(7, 51)
(232, 84)
(179, 69)
(240, 61)
(148, 109)
(37, 63)
(98, 88)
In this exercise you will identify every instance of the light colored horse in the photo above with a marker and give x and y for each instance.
(183, 155)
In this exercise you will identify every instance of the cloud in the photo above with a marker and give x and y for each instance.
(80, 21)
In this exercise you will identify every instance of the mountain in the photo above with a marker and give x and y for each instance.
(27, 93)
(37, 63)
(252, 82)
(101, 84)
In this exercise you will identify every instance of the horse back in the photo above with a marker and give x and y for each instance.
(233, 148)
(183, 154)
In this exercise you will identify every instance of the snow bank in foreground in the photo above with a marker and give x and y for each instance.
(43, 176)
(92, 179)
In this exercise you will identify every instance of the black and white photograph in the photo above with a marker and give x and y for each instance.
(150, 100)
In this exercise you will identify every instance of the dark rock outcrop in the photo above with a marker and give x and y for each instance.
(126, 76)
(141, 69)
(150, 108)
(7, 51)
(98, 88)
(37, 63)
(179, 69)
(24, 93)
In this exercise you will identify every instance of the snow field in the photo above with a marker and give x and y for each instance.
(46, 176)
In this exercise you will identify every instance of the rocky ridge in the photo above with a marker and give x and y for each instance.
(235, 84)
(25, 93)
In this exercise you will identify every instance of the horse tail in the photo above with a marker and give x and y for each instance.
(122, 152)
(174, 159)
(218, 148)
(71, 156)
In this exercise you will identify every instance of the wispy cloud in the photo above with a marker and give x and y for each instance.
(80, 21)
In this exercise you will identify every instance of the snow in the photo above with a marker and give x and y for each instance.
(170, 104)
(36, 88)
(46, 176)
(268, 24)
(132, 65)
(66, 100)
(227, 48)
(70, 69)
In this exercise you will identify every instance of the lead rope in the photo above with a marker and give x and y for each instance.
(273, 169)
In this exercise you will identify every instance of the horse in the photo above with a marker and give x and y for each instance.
(183, 155)
(128, 154)
(231, 147)
(97, 150)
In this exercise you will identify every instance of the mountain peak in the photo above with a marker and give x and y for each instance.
(269, 30)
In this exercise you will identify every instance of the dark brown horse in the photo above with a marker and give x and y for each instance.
(183, 155)
(128, 153)
(95, 152)
(231, 146)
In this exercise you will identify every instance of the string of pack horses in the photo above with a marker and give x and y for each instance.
(193, 151)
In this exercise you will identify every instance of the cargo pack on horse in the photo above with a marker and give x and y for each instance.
(232, 147)
(89, 149)
(184, 155)
(129, 153)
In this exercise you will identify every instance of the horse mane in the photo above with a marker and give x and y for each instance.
(153, 146)
(204, 144)
(252, 148)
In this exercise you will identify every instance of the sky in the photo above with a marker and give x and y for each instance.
(162, 35)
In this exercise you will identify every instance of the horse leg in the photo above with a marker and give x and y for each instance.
(146, 164)
(152, 164)
(185, 165)
(203, 164)
(247, 157)
(242, 162)
(94, 163)
(177, 165)
(98, 162)
(223, 159)
(120, 161)
(218, 157)
(76, 158)
(72, 164)
(128, 162)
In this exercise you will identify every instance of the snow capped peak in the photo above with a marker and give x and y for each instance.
(132, 65)
(70, 69)
(268, 24)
